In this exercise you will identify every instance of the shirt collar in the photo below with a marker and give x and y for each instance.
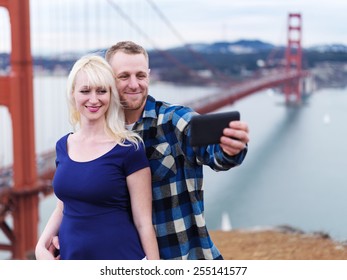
(149, 111)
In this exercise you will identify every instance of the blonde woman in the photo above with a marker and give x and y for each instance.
(102, 179)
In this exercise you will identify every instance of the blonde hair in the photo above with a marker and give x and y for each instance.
(100, 74)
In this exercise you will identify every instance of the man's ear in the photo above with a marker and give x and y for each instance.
(149, 70)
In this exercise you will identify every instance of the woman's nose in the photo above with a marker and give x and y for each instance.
(93, 98)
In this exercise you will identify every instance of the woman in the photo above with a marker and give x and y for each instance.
(102, 179)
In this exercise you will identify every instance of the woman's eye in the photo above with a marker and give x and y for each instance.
(102, 91)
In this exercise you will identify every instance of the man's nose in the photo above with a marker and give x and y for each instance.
(133, 83)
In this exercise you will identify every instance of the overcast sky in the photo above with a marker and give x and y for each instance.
(78, 25)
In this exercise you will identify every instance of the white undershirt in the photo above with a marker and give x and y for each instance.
(129, 126)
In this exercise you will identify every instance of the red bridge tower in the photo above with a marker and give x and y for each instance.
(293, 56)
(16, 93)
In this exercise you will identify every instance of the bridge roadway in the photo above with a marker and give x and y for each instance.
(272, 79)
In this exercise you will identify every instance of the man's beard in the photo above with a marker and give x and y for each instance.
(133, 106)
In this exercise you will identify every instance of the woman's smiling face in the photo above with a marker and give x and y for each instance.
(92, 101)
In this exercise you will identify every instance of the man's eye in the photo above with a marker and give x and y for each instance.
(141, 77)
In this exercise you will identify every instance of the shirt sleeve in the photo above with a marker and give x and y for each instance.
(135, 159)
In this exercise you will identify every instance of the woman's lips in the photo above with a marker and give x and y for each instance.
(93, 109)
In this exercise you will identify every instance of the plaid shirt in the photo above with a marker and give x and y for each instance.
(177, 180)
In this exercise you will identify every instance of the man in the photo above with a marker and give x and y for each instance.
(176, 166)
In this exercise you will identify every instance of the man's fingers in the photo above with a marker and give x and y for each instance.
(55, 242)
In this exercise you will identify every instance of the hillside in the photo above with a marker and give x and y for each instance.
(229, 59)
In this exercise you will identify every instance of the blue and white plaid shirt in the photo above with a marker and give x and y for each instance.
(177, 180)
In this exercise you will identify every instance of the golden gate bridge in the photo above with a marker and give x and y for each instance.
(20, 199)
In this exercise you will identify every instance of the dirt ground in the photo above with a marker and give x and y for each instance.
(282, 243)
(277, 244)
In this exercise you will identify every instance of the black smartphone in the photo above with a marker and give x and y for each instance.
(207, 129)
